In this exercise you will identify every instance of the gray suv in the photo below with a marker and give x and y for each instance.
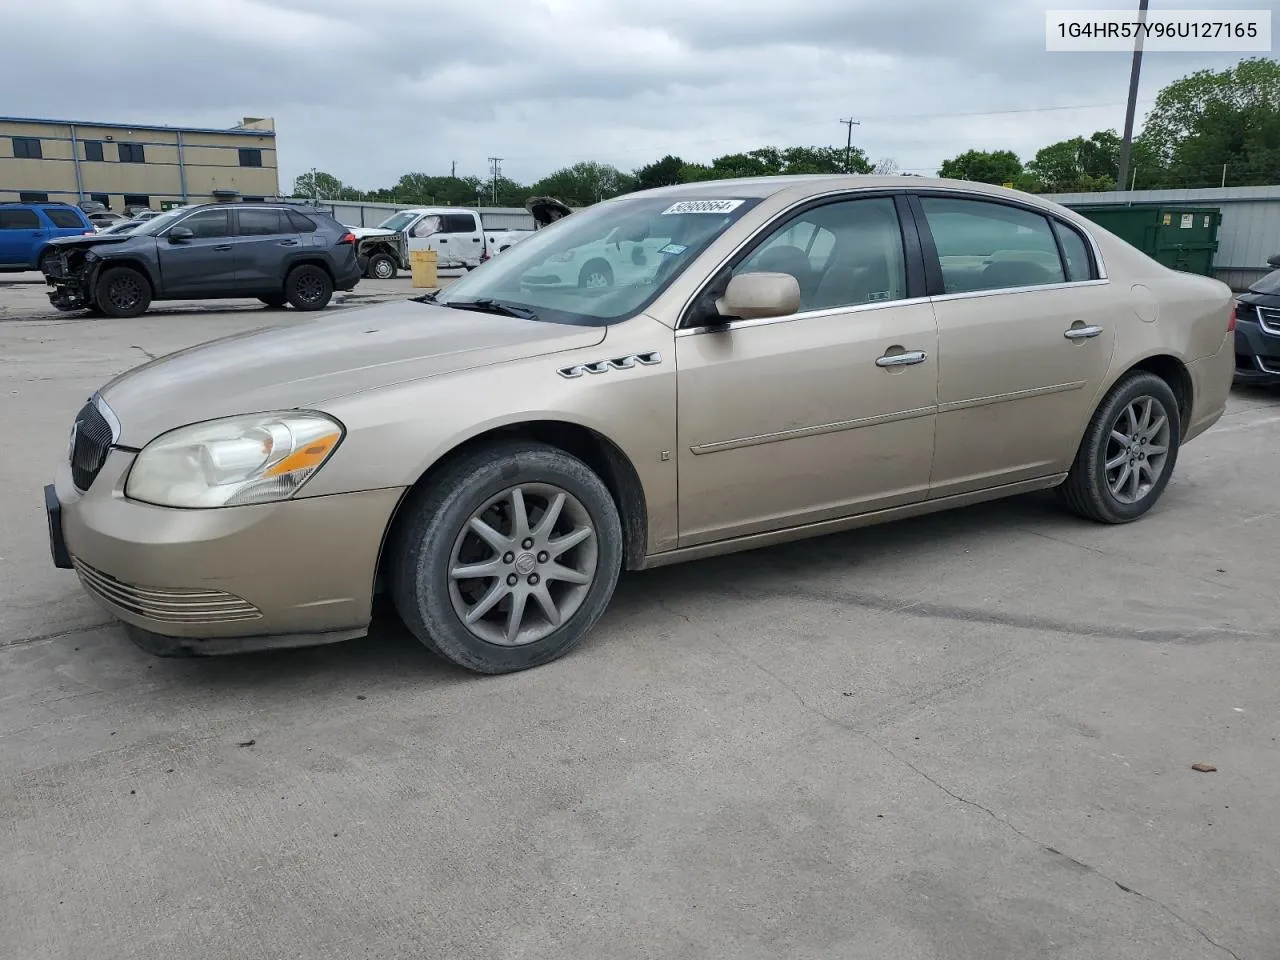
(274, 252)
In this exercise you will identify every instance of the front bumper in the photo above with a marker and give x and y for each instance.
(1257, 354)
(72, 289)
(223, 580)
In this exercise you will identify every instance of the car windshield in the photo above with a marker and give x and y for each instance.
(156, 224)
(600, 265)
(399, 221)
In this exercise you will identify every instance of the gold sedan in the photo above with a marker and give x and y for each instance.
(670, 375)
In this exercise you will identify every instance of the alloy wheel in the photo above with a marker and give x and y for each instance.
(1137, 449)
(124, 293)
(522, 564)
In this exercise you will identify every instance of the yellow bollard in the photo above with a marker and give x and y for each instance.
(422, 264)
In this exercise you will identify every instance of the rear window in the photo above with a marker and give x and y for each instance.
(19, 219)
(63, 218)
(301, 223)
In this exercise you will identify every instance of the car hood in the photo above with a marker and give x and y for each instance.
(94, 240)
(362, 232)
(546, 210)
(304, 364)
(1268, 286)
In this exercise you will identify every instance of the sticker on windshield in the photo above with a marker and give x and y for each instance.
(702, 206)
(675, 249)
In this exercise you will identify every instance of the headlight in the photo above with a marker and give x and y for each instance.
(239, 460)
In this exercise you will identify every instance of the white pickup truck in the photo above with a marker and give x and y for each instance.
(456, 234)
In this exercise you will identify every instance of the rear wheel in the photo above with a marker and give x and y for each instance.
(381, 267)
(122, 292)
(308, 288)
(595, 274)
(508, 559)
(1128, 452)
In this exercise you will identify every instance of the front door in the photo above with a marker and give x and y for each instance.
(1025, 332)
(264, 240)
(822, 414)
(203, 265)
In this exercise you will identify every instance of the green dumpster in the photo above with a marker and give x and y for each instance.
(1181, 238)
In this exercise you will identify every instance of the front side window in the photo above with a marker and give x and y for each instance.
(843, 254)
(427, 226)
(605, 263)
(991, 246)
(208, 224)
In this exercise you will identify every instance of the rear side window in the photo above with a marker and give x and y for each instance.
(991, 246)
(18, 219)
(259, 223)
(63, 218)
(299, 222)
(458, 223)
(1076, 252)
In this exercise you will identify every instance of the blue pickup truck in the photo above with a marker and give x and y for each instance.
(27, 228)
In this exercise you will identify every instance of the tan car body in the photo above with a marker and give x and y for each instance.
(711, 440)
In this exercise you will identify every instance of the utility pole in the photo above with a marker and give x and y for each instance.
(1135, 71)
(453, 169)
(497, 172)
(848, 144)
(315, 187)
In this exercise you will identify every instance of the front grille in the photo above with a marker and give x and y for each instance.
(163, 604)
(93, 438)
(1269, 320)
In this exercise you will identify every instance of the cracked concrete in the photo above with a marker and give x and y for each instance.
(965, 736)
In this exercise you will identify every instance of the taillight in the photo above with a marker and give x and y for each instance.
(347, 238)
(88, 233)
(1236, 306)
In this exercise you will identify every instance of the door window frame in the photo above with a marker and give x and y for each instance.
(933, 265)
(914, 263)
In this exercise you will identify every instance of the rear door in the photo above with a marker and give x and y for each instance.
(1026, 327)
(264, 240)
(203, 266)
(22, 234)
(464, 235)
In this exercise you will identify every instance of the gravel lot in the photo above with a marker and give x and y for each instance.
(967, 736)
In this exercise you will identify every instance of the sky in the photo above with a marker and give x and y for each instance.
(370, 89)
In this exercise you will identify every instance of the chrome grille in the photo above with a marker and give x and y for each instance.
(90, 442)
(164, 604)
(1269, 319)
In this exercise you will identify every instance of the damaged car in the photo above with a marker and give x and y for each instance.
(206, 251)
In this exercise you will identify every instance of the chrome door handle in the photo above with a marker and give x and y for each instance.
(288, 243)
(1082, 333)
(902, 359)
(223, 246)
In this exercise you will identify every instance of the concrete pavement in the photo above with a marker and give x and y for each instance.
(965, 736)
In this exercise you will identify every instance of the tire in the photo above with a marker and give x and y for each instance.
(46, 259)
(434, 536)
(308, 287)
(595, 274)
(276, 300)
(1100, 485)
(380, 267)
(122, 292)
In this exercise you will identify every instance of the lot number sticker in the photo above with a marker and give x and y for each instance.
(702, 206)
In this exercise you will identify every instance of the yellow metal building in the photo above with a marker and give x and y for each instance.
(120, 164)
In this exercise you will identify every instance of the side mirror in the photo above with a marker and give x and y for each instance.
(180, 234)
(754, 296)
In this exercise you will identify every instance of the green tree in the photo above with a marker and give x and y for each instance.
(777, 161)
(1078, 165)
(323, 186)
(583, 183)
(661, 173)
(983, 166)
(1207, 120)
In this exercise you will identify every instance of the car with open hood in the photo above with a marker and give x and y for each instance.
(800, 356)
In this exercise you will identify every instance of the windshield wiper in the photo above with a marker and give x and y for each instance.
(493, 306)
(426, 297)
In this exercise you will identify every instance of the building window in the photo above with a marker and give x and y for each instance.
(33, 196)
(250, 157)
(101, 198)
(27, 148)
(254, 199)
(136, 200)
(131, 153)
(93, 150)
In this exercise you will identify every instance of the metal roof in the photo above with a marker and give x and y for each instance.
(237, 131)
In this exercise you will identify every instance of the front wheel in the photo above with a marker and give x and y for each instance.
(308, 288)
(1128, 452)
(122, 292)
(508, 559)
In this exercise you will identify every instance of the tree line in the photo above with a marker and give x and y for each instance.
(1203, 130)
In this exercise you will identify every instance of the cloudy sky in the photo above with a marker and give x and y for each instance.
(369, 89)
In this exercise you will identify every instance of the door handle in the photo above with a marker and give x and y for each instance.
(442, 240)
(223, 246)
(1082, 333)
(288, 243)
(902, 359)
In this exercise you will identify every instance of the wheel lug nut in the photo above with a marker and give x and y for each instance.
(508, 558)
(533, 579)
(512, 580)
(528, 543)
(543, 557)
